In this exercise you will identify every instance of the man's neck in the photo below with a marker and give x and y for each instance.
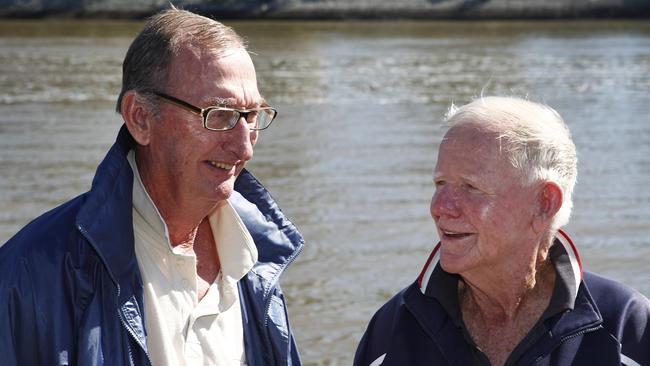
(499, 291)
(183, 228)
(501, 298)
(181, 215)
(200, 242)
(510, 312)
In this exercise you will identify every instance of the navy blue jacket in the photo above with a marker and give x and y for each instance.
(71, 291)
(608, 325)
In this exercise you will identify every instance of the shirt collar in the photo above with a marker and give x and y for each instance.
(236, 248)
(144, 205)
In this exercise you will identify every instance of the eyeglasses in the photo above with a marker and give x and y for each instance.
(223, 118)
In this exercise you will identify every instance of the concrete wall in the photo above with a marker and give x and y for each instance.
(335, 9)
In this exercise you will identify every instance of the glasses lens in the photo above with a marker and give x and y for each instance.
(218, 119)
(264, 118)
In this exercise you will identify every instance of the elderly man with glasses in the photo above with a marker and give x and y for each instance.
(173, 256)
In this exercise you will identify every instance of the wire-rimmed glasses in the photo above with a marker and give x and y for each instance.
(224, 118)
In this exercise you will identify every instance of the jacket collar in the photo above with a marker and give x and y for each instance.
(433, 318)
(561, 238)
(276, 237)
(105, 218)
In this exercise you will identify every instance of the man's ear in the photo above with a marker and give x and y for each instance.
(137, 117)
(548, 203)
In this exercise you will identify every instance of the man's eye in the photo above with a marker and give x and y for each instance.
(470, 186)
(252, 116)
(223, 114)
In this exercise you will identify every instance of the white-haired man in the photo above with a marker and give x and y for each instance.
(505, 286)
(173, 256)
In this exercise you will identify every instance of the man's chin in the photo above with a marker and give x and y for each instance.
(240, 169)
(452, 263)
(223, 191)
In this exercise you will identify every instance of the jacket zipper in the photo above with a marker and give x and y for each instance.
(128, 345)
(119, 311)
(135, 338)
(566, 338)
(268, 301)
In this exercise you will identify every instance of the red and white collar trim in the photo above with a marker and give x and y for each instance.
(432, 262)
(561, 236)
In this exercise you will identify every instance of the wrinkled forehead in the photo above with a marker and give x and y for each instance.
(474, 148)
(473, 137)
(474, 156)
(191, 60)
(226, 78)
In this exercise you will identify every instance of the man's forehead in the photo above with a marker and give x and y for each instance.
(473, 147)
(210, 70)
(474, 130)
(472, 139)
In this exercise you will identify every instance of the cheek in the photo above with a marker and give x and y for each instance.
(431, 206)
(519, 209)
(488, 216)
(484, 212)
(499, 219)
(184, 154)
(479, 207)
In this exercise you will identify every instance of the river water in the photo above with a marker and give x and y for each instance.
(351, 155)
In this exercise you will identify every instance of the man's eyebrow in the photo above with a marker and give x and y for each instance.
(262, 102)
(221, 102)
(231, 102)
(472, 178)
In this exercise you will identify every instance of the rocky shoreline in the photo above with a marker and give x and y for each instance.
(334, 9)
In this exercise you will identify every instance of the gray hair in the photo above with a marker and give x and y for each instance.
(537, 142)
(147, 61)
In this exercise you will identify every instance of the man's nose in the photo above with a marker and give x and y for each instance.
(242, 139)
(444, 203)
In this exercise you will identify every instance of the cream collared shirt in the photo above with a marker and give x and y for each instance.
(181, 330)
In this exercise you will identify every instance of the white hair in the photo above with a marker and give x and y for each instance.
(535, 138)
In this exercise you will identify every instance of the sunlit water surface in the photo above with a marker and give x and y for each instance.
(351, 155)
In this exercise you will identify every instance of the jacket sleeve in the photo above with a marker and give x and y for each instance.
(367, 348)
(626, 315)
(19, 331)
(634, 331)
(7, 338)
(41, 285)
(375, 342)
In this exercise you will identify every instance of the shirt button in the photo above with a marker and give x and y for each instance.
(179, 262)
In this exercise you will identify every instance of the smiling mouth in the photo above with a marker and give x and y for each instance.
(221, 165)
(454, 234)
